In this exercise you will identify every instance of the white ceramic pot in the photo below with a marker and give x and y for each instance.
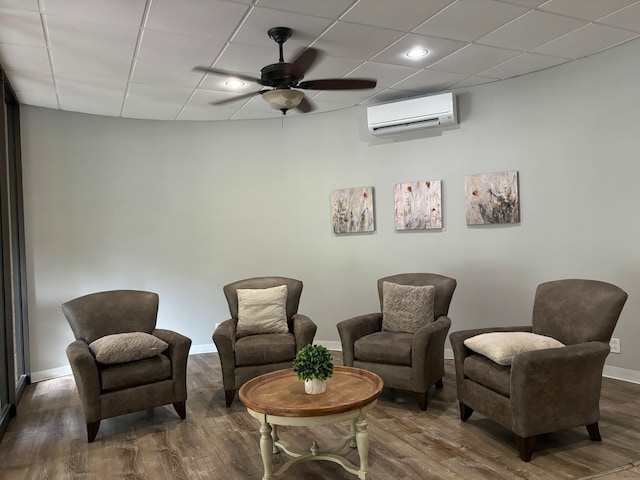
(314, 386)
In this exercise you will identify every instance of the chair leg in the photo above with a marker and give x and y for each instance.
(92, 431)
(228, 396)
(465, 412)
(181, 409)
(594, 432)
(439, 384)
(525, 446)
(422, 400)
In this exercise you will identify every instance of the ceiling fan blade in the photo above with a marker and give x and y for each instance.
(238, 97)
(226, 73)
(338, 84)
(306, 105)
(303, 61)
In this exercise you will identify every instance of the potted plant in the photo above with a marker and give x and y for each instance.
(313, 364)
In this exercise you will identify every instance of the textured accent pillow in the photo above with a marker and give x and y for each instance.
(126, 347)
(262, 310)
(501, 347)
(406, 308)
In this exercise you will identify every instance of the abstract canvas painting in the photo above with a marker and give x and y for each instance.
(418, 205)
(492, 198)
(352, 210)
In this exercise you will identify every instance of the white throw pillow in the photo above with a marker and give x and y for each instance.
(262, 310)
(501, 347)
(126, 347)
(406, 308)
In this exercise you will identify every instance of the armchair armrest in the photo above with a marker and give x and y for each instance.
(355, 328)
(303, 330)
(557, 387)
(85, 371)
(460, 351)
(225, 339)
(178, 352)
(427, 352)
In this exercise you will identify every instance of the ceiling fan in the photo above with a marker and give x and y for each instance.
(285, 79)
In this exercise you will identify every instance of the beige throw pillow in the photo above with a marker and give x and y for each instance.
(502, 347)
(406, 308)
(262, 310)
(126, 347)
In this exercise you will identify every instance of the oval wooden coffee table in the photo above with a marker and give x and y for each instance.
(278, 398)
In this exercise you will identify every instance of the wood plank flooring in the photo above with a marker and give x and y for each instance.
(47, 440)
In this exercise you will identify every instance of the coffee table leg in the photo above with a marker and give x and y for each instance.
(266, 450)
(274, 436)
(362, 441)
(352, 430)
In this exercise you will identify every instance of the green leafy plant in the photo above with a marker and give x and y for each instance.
(313, 361)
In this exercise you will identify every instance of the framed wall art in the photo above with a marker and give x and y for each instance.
(418, 205)
(492, 198)
(352, 210)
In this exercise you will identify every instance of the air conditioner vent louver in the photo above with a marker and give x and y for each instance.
(425, 112)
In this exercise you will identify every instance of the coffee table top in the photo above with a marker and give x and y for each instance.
(281, 393)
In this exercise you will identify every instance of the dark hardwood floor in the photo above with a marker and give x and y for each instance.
(47, 440)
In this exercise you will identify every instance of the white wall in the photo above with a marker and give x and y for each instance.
(182, 208)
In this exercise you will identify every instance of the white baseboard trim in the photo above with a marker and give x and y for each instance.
(624, 374)
(616, 373)
(50, 373)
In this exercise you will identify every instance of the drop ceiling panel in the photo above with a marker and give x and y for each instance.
(113, 12)
(346, 40)
(530, 31)
(590, 38)
(91, 49)
(473, 59)
(168, 59)
(25, 59)
(100, 97)
(586, 9)
(386, 75)
(331, 67)
(325, 8)
(525, 63)
(468, 20)
(628, 18)
(438, 49)
(429, 81)
(22, 4)
(208, 19)
(305, 29)
(22, 27)
(155, 101)
(403, 15)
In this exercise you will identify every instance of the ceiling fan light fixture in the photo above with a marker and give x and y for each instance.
(283, 98)
(417, 52)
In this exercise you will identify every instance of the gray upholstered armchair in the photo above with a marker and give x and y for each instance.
(122, 363)
(549, 389)
(245, 354)
(405, 361)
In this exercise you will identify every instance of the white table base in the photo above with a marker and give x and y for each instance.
(357, 438)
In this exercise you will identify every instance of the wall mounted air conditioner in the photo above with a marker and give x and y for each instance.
(424, 112)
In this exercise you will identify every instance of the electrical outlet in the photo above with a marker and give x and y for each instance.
(614, 345)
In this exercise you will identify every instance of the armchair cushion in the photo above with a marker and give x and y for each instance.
(132, 374)
(406, 308)
(265, 349)
(502, 347)
(385, 347)
(126, 347)
(262, 310)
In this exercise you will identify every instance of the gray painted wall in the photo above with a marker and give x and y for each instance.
(182, 208)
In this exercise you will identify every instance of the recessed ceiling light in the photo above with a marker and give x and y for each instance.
(234, 83)
(417, 53)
